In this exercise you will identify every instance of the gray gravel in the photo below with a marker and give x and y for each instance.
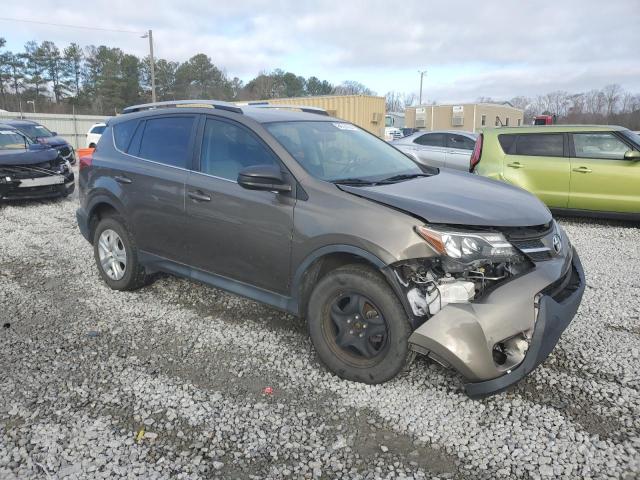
(167, 382)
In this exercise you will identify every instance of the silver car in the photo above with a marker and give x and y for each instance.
(450, 149)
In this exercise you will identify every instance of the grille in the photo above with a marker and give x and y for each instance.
(532, 243)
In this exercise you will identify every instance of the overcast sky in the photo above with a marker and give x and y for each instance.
(496, 49)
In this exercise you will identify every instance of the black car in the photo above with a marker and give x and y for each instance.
(30, 170)
(41, 134)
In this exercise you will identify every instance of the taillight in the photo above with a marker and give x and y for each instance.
(86, 157)
(477, 152)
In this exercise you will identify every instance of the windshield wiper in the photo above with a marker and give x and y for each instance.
(399, 178)
(352, 181)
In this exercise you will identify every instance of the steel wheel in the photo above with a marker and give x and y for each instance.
(359, 330)
(113, 255)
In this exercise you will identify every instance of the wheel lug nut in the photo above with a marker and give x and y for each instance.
(348, 320)
(364, 325)
(350, 332)
(361, 335)
(357, 317)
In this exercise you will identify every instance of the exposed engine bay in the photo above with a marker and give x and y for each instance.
(433, 283)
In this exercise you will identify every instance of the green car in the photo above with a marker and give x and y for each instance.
(583, 169)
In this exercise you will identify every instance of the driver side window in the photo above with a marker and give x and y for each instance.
(228, 148)
(599, 145)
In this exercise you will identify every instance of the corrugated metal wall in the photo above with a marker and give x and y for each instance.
(363, 110)
(72, 128)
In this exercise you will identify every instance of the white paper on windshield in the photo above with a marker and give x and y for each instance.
(40, 127)
(346, 126)
(7, 132)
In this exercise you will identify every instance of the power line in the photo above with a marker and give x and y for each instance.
(69, 26)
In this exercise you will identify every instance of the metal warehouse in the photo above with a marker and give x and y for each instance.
(366, 111)
(468, 117)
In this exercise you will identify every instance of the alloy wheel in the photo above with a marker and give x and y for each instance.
(113, 255)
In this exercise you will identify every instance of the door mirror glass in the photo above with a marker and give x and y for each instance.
(632, 155)
(263, 177)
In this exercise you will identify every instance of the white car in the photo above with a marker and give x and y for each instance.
(94, 134)
(392, 133)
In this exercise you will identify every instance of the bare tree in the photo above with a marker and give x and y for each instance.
(612, 94)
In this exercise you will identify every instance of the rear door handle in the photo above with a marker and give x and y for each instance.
(199, 196)
(582, 170)
(124, 180)
(515, 165)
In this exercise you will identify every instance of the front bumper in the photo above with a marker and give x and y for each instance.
(463, 335)
(13, 191)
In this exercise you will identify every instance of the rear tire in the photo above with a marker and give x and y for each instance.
(116, 255)
(357, 325)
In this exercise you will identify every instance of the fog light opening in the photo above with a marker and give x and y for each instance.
(499, 356)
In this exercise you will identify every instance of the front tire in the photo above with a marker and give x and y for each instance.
(116, 255)
(358, 326)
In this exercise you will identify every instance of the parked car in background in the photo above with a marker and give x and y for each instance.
(450, 149)
(94, 134)
(380, 255)
(585, 169)
(392, 133)
(30, 170)
(41, 134)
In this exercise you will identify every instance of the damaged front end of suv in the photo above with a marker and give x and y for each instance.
(31, 171)
(491, 303)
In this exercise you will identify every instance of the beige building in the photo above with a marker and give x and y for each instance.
(469, 117)
(366, 111)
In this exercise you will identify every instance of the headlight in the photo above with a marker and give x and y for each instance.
(468, 246)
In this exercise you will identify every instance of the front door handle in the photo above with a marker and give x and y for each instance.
(582, 170)
(515, 165)
(199, 196)
(124, 180)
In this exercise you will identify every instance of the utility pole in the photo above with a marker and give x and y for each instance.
(149, 35)
(422, 73)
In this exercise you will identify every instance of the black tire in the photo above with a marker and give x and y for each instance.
(134, 274)
(390, 350)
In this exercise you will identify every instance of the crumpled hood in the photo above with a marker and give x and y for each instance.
(53, 141)
(460, 198)
(27, 157)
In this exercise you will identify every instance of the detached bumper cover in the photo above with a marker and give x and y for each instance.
(556, 310)
(462, 336)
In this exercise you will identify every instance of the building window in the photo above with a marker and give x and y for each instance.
(519, 122)
(483, 121)
(506, 121)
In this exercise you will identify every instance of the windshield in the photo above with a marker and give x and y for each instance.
(337, 151)
(12, 140)
(35, 131)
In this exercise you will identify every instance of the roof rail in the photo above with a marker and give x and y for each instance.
(316, 110)
(184, 104)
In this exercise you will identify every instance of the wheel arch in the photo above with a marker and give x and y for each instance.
(330, 257)
(100, 207)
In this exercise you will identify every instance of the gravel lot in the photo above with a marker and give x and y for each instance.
(167, 382)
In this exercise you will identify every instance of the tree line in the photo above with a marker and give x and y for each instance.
(104, 80)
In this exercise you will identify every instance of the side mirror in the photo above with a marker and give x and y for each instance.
(263, 177)
(633, 155)
(54, 134)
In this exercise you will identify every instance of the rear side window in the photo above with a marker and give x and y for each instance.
(122, 133)
(228, 148)
(99, 129)
(540, 144)
(431, 140)
(461, 142)
(166, 140)
(506, 142)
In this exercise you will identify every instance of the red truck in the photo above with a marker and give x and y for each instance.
(544, 119)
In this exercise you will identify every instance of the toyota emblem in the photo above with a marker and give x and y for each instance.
(557, 243)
